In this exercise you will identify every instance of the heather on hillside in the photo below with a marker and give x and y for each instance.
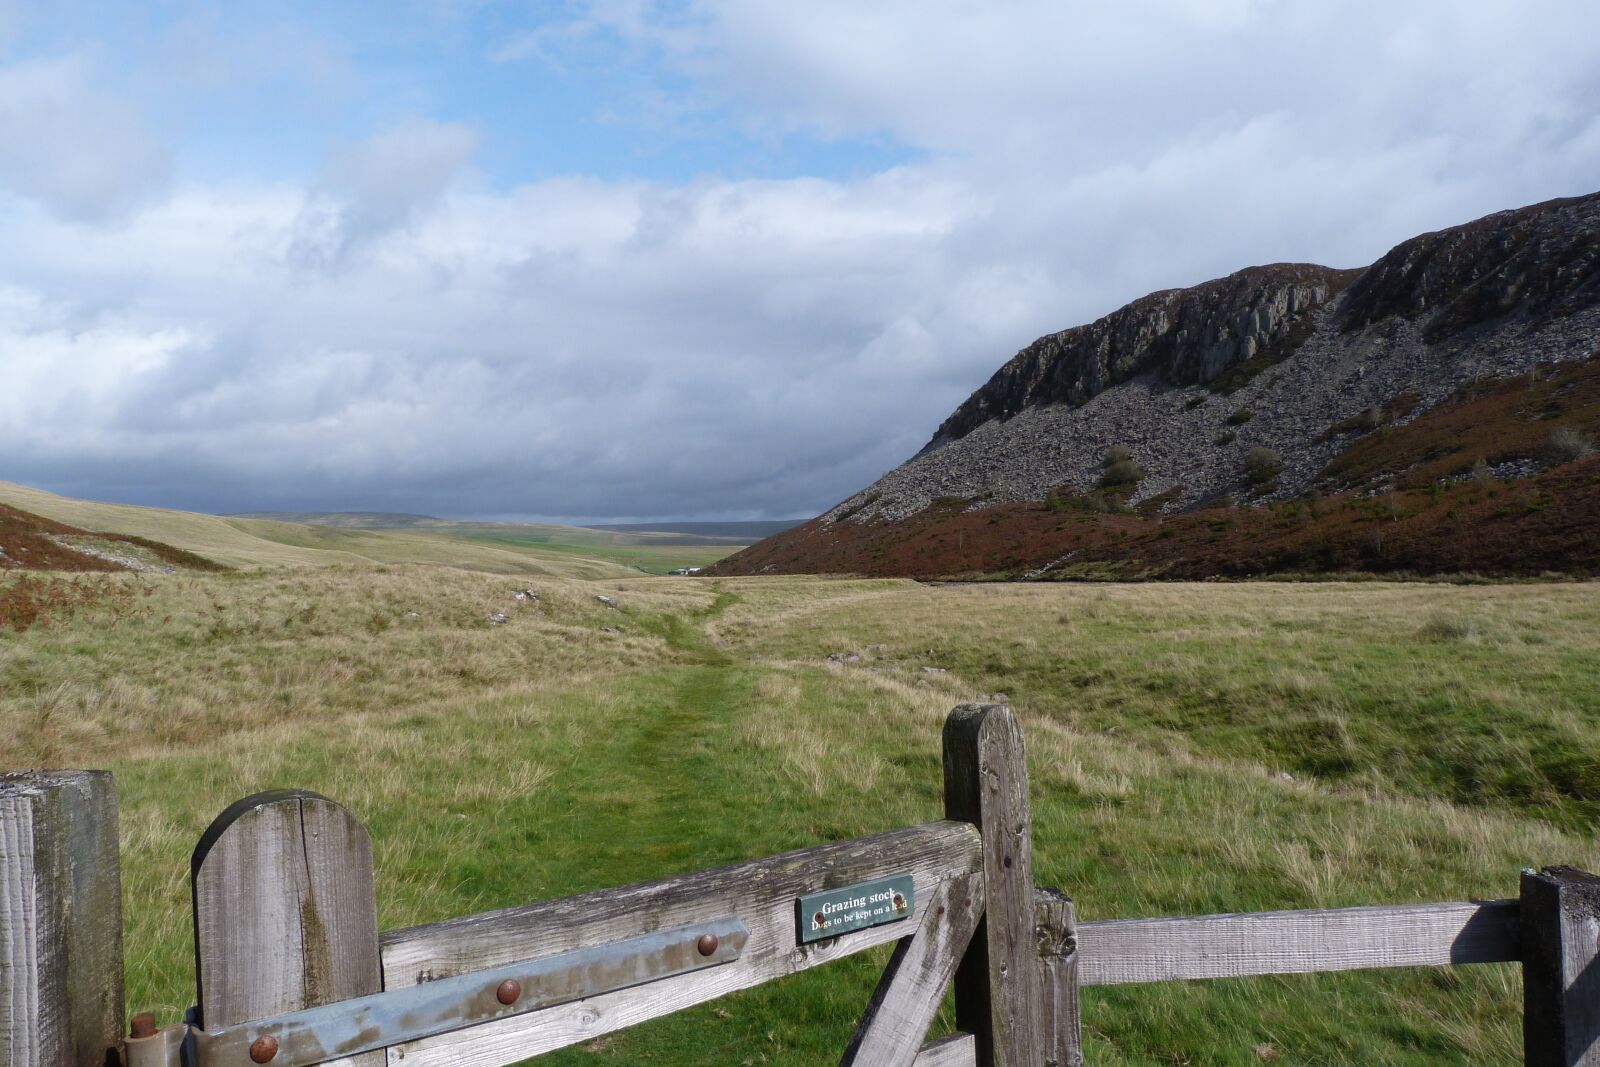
(1244, 401)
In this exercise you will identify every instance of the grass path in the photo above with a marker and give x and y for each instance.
(1436, 738)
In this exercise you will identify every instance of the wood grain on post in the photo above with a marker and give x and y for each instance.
(1055, 927)
(60, 920)
(285, 914)
(1560, 967)
(896, 1021)
(997, 984)
(956, 1050)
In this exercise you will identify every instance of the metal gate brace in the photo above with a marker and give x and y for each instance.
(395, 1016)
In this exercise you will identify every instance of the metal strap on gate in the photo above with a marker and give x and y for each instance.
(364, 1024)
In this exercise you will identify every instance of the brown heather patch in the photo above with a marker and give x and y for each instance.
(1545, 524)
(1499, 420)
(40, 601)
(27, 542)
(1548, 523)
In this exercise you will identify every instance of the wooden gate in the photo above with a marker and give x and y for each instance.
(292, 970)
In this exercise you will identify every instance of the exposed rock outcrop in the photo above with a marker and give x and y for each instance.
(1539, 264)
(1180, 336)
(1274, 357)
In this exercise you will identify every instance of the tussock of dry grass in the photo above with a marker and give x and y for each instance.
(1192, 749)
(208, 656)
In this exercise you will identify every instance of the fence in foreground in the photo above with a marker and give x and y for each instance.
(291, 969)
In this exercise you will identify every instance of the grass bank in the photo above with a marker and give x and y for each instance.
(1192, 749)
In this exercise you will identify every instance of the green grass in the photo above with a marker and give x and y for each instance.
(1439, 738)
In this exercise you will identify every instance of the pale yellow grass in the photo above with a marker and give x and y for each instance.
(249, 543)
(208, 656)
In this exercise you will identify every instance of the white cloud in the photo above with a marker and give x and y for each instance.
(582, 347)
(1042, 79)
(556, 349)
(69, 374)
(72, 146)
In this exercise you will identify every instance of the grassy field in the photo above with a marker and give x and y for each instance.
(650, 558)
(641, 550)
(1193, 748)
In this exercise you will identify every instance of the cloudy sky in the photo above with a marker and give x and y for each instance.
(703, 259)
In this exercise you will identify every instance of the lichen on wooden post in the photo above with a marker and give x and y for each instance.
(60, 920)
(285, 910)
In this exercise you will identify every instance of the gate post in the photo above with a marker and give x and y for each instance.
(1057, 930)
(1560, 919)
(285, 913)
(997, 985)
(60, 920)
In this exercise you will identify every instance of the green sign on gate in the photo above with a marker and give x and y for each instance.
(853, 907)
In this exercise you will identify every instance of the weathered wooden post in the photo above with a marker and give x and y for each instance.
(1056, 928)
(1560, 920)
(285, 912)
(997, 984)
(60, 920)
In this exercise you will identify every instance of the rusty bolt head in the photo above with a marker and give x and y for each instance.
(509, 992)
(263, 1048)
(142, 1025)
(707, 944)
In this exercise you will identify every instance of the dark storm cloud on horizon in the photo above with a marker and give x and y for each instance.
(399, 334)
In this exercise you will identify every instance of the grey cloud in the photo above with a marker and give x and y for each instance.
(74, 147)
(644, 388)
(379, 186)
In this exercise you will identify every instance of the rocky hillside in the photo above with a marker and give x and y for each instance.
(1180, 336)
(1274, 385)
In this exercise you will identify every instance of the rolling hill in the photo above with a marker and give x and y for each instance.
(250, 543)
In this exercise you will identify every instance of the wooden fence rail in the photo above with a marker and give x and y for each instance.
(1297, 942)
(292, 970)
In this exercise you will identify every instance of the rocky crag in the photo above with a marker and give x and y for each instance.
(1258, 389)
